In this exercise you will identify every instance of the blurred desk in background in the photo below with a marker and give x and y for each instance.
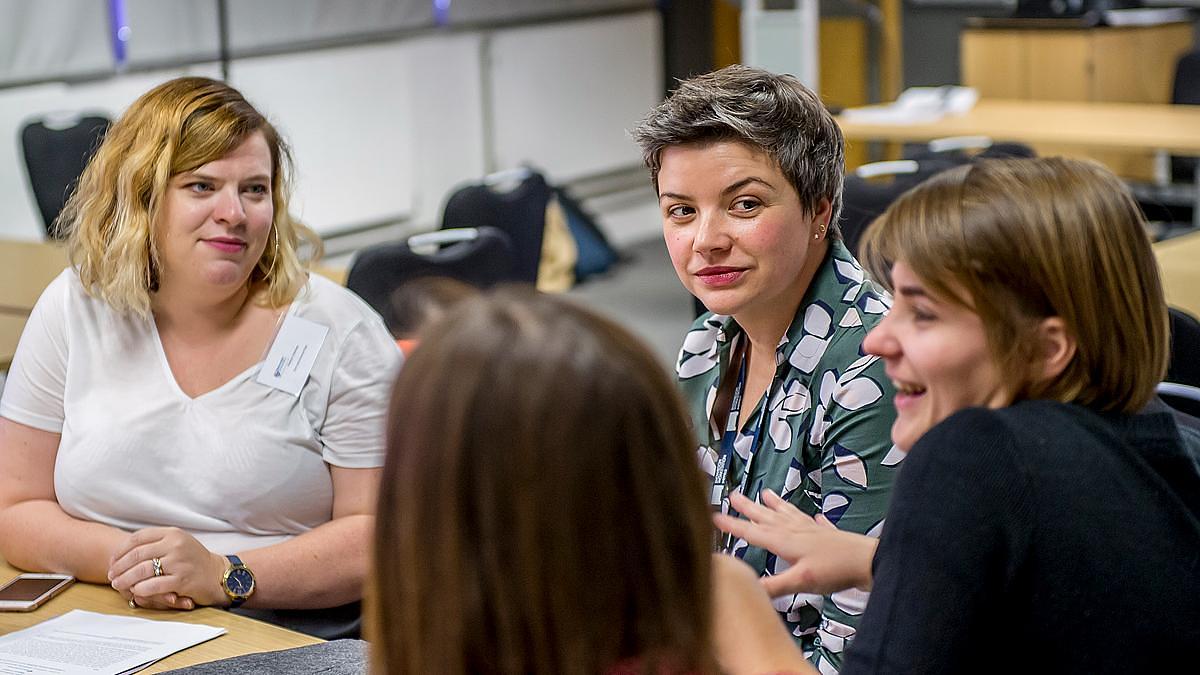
(1069, 126)
(11, 326)
(242, 636)
(1179, 264)
(26, 268)
(1116, 126)
(1065, 59)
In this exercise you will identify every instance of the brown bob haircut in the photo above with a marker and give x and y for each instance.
(1016, 241)
(541, 509)
(175, 127)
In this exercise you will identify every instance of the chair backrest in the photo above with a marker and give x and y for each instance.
(865, 198)
(1186, 90)
(1181, 397)
(55, 156)
(520, 213)
(482, 260)
(1184, 367)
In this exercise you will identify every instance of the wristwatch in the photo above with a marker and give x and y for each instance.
(237, 582)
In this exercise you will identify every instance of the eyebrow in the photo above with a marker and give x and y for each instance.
(912, 291)
(732, 188)
(192, 175)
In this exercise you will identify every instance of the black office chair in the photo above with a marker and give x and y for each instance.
(1184, 367)
(482, 257)
(1181, 389)
(1186, 90)
(1173, 202)
(963, 149)
(519, 212)
(56, 153)
(1181, 397)
(871, 188)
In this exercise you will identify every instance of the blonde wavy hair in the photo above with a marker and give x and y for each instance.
(173, 128)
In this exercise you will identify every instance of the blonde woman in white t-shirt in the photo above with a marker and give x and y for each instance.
(190, 417)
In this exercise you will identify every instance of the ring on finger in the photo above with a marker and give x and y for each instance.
(132, 604)
(158, 570)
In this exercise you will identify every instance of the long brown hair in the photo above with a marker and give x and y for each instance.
(541, 508)
(1016, 241)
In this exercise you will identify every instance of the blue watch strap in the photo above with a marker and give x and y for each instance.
(235, 601)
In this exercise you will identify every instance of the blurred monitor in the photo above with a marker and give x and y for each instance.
(1053, 9)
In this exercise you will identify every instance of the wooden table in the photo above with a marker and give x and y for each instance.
(26, 268)
(243, 635)
(11, 326)
(1080, 125)
(1116, 126)
(1179, 263)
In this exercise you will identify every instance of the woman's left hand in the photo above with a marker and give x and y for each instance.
(185, 570)
(821, 558)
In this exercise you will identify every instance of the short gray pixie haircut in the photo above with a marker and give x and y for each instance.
(773, 113)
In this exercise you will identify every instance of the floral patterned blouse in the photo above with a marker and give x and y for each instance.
(826, 443)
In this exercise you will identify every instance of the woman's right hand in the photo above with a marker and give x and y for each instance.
(822, 559)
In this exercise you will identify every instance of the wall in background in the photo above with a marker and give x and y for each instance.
(931, 31)
(382, 129)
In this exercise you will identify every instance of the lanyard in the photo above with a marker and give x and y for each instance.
(719, 493)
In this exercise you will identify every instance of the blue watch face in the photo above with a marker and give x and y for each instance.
(240, 582)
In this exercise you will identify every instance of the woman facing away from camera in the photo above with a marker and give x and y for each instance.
(748, 167)
(541, 511)
(190, 416)
(1041, 516)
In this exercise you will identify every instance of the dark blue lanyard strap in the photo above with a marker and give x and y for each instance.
(719, 492)
(720, 484)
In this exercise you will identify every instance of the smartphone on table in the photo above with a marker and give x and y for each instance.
(27, 592)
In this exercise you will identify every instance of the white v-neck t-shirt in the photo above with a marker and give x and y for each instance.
(240, 467)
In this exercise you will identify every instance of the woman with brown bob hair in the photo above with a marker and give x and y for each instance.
(1040, 506)
(190, 416)
(541, 510)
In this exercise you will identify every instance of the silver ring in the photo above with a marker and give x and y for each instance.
(158, 570)
(132, 604)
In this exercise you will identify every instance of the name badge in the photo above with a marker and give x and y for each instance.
(292, 355)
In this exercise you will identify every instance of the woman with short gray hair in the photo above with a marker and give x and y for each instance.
(748, 170)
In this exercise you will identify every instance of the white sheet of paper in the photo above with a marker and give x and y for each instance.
(89, 643)
(292, 355)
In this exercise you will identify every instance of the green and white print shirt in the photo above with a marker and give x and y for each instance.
(826, 445)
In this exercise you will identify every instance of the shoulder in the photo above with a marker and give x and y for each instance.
(337, 307)
(993, 426)
(1014, 436)
(356, 330)
(64, 289)
(65, 300)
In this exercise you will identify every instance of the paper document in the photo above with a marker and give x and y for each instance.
(88, 643)
(917, 105)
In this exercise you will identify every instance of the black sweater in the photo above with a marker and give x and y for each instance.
(1039, 537)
